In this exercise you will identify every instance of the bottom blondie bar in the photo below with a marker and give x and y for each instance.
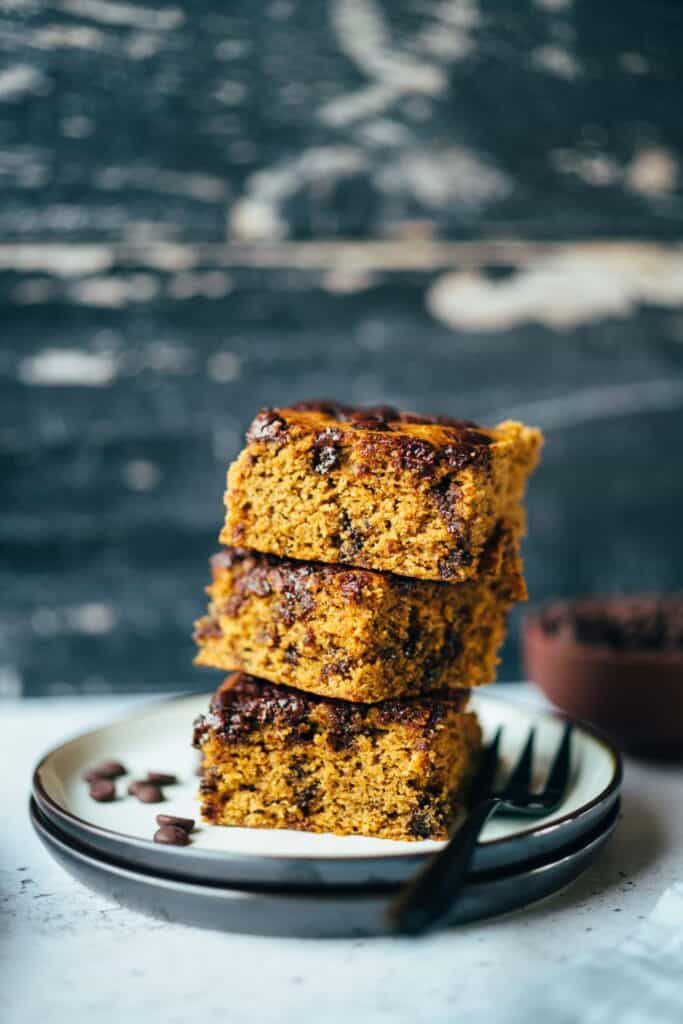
(276, 757)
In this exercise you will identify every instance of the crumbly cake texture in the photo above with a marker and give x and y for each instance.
(414, 495)
(358, 634)
(275, 757)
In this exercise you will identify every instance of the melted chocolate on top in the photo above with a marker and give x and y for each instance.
(244, 703)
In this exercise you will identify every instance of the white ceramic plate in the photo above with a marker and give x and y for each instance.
(158, 738)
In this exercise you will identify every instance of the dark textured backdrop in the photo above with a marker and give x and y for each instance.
(472, 207)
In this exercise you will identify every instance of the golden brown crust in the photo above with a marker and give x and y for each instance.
(358, 634)
(418, 496)
(274, 757)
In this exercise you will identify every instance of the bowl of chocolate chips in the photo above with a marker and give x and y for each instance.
(615, 662)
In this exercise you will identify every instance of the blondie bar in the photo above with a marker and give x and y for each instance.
(357, 634)
(415, 495)
(274, 757)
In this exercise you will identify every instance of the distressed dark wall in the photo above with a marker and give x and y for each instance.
(467, 207)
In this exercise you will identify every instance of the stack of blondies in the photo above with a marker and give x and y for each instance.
(370, 559)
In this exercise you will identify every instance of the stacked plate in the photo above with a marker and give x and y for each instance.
(296, 883)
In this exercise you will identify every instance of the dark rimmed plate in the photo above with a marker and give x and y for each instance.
(323, 913)
(158, 738)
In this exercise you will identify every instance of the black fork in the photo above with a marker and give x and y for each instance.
(428, 898)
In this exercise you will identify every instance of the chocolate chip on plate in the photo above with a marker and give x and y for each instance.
(172, 835)
(102, 790)
(172, 819)
(135, 785)
(105, 770)
(162, 778)
(147, 792)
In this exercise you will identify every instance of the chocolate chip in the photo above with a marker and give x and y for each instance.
(291, 655)
(368, 423)
(325, 459)
(419, 825)
(162, 778)
(351, 539)
(342, 667)
(352, 585)
(377, 414)
(102, 790)
(172, 819)
(249, 704)
(105, 770)
(476, 437)
(134, 786)
(344, 722)
(412, 639)
(450, 564)
(442, 421)
(268, 426)
(354, 544)
(418, 455)
(326, 453)
(447, 497)
(172, 835)
(471, 450)
(305, 797)
(333, 409)
(148, 793)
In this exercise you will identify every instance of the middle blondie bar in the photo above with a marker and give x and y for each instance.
(358, 634)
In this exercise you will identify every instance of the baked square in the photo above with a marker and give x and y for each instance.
(418, 496)
(275, 757)
(358, 634)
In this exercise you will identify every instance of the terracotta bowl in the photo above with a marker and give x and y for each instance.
(635, 696)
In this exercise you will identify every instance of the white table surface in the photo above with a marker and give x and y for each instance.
(67, 954)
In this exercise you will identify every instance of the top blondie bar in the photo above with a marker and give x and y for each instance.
(395, 491)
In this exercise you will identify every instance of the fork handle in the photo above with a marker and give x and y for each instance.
(429, 897)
